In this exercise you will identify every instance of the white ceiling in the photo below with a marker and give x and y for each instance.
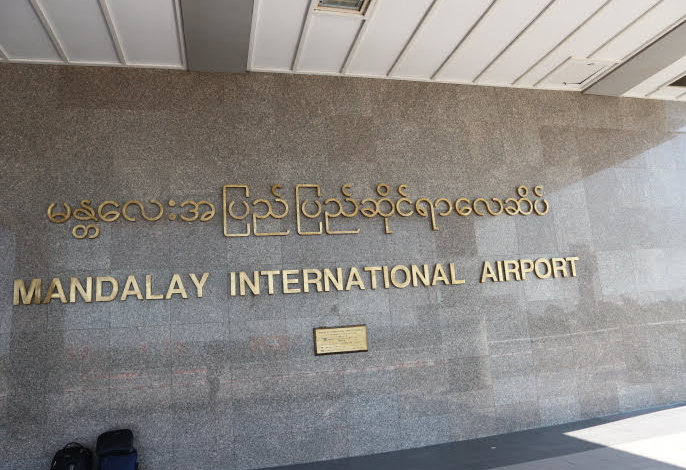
(519, 43)
(131, 33)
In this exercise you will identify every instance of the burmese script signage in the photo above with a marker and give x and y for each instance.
(341, 339)
(244, 215)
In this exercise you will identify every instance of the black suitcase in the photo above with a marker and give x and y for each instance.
(115, 442)
(115, 450)
(72, 457)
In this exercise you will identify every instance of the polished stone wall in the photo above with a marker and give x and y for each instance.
(232, 382)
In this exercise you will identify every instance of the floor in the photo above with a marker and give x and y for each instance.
(647, 440)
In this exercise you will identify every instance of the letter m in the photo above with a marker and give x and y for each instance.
(20, 292)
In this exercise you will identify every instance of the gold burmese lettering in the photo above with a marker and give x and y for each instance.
(21, 294)
(517, 270)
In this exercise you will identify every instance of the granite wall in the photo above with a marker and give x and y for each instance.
(234, 379)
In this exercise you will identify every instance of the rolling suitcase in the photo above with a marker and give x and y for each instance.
(115, 451)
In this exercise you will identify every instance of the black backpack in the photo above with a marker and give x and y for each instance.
(72, 457)
(115, 450)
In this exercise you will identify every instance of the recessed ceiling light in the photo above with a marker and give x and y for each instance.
(681, 82)
(345, 6)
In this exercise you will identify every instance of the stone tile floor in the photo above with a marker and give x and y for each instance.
(652, 439)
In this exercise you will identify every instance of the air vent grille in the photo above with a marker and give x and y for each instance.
(345, 6)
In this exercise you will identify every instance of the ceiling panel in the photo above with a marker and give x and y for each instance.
(390, 27)
(548, 31)
(329, 39)
(82, 30)
(147, 31)
(659, 80)
(653, 23)
(669, 93)
(497, 29)
(450, 20)
(276, 33)
(599, 29)
(22, 35)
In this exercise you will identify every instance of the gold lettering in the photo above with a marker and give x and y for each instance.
(176, 287)
(26, 297)
(354, 279)
(488, 273)
(270, 280)
(55, 291)
(422, 275)
(99, 281)
(499, 265)
(199, 284)
(373, 270)
(572, 267)
(547, 266)
(395, 281)
(317, 281)
(86, 294)
(453, 278)
(386, 280)
(511, 267)
(131, 288)
(528, 269)
(148, 289)
(233, 283)
(287, 282)
(439, 275)
(329, 278)
(559, 265)
(253, 285)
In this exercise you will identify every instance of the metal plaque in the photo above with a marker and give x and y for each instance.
(341, 339)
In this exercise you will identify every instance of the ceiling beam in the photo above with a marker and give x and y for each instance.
(450, 57)
(513, 42)
(49, 30)
(216, 34)
(369, 14)
(657, 56)
(304, 31)
(114, 36)
(558, 45)
(420, 27)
